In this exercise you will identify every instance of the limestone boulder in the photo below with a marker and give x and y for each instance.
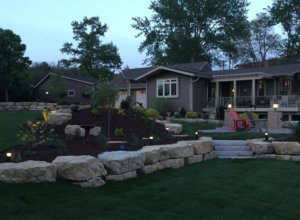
(28, 171)
(74, 130)
(121, 177)
(286, 147)
(95, 182)
(79, 168)
(147, 169)
(174, 127)
(205, 138)
(199, 146)
(210, 155)
(154, 154)
(119, 162)
(194, 159)
(172, 163)
(266, 156)
(261, 147)
(95, 131)
(58, 118)
(179, 150)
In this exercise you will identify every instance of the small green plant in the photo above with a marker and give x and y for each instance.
(95, 111)
(135, 141)
(74, 108)
(119, 132)
(121, 112)
(244, 116)
(102, 140)
(35, 133)
(152, 113)
(192, 115)
(138, 110)
(162, 106)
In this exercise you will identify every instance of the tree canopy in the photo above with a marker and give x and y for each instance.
(191, 30)
(287, 13)
(13, 63)
(94, 58)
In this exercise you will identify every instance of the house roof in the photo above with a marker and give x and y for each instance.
(120, 82)
(189, 69)
(131, 74)
(70, 76)
(280, 70)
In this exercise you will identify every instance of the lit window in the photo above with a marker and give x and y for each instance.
(71, 93)
(167, 88)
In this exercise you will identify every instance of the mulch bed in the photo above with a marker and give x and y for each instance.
(135, 128)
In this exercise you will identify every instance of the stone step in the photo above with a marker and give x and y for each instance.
(235, 153)
(236, 157)
(230, 143)
(231, 148)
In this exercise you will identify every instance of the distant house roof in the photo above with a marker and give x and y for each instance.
(200, 69)
(70, 76)
(120, 82)
(280, 70)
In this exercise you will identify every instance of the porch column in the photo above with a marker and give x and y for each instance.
(253, 92)
(128, 88)
(234, 93)
(217, 94)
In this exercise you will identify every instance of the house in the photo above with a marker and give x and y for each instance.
(73, 84)
(196, 87)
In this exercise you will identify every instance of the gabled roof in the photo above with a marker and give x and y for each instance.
(73, 77)
(280, 70)
(131, 74)
(189, 69)
(120, 82)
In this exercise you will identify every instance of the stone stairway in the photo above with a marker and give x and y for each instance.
(232, 149)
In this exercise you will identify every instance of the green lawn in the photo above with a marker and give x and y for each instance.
(216, 189)
(9, 122)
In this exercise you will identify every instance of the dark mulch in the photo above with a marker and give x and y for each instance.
(135, 128)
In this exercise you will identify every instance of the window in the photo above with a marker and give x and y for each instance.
(71, 93)
(286, 85)
(167, 88)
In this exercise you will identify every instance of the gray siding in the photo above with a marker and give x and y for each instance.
(184, 83)
(199, 95)
(79, 88)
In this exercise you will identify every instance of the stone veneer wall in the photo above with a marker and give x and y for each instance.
(13, 106)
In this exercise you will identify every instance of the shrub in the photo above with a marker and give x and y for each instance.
(152, 113)
(102, 140)
(244, 116)
(162, 106)
(119, 132)
(182, 112)
(192, 115)
(121, 112)
(125, 104)
(296, 131)
(57, 143)
(139, 110)
(74, 108)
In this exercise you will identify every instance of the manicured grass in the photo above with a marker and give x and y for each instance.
(241, 135)
(190, 127)
(214, 190)
(9, 122)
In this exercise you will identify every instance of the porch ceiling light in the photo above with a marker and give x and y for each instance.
(229, 106)
(275, 106)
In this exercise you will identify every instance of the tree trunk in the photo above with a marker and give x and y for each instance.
(6, 94)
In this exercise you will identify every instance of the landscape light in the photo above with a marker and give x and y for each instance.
(167, 129)
(47, 92)
(151, 140)
(275, 106)
(196, 135)
(266, 136)
(8, 154)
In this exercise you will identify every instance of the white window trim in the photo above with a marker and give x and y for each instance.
(71, 90)
(164, 80)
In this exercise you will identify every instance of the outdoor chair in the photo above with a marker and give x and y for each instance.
(238, 124)
(250, 120)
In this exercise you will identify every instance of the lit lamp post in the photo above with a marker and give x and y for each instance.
(229, 106)
(151, 140)
(8, 156)
(196, 135)
(266, 136)
(275, 106)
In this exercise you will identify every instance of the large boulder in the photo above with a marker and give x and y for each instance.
(58, 118)
(95, 131)
(199, 146)
(154, 154)
(172, 163)
(28, 171)
(286, 147)
(210, 155)
(261, 147)
(150, 168)
(95, 182)
(121, 177)
(118, 162)
(74, 130)
(174, 127)
(79, 168)
(194, 159)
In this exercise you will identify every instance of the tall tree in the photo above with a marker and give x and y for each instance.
(287, 13)
(94, 58)
(260, 43)
(190, 30)
(13, 63)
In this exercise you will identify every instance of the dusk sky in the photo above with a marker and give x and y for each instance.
(44, 25)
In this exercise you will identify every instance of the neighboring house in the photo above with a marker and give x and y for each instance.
(74, 85)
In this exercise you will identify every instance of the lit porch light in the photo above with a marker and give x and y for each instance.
(275, 106)
(229, 106)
